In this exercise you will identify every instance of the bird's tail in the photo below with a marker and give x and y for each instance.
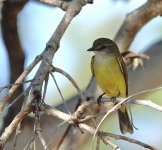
(125, 123)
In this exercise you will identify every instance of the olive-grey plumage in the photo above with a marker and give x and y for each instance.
(111, 74)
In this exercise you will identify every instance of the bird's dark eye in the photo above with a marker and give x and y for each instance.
(103, 47)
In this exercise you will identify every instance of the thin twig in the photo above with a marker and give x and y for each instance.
(42, 140)
(107, 141)
(7, 97)
(79, 111)
(9, 85)
(128, 139)
(148, 103)
(144, 92)
(54, 79)
(18, 131)
(72, 81)
(45, 87)
(37, 129)
(117, 137)
(26, 92)
(30, 141)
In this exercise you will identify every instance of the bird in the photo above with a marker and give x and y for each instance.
(109, 69)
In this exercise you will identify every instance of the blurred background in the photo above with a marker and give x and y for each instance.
(36, 23)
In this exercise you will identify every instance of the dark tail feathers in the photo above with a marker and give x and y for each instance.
(125, 123)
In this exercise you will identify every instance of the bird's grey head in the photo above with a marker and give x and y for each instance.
(104, 44)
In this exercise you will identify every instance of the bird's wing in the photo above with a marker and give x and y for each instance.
(92, 63)
(124, 71)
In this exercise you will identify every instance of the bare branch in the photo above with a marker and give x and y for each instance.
(62, 4)
(135, 21)
(57, 113)
(133, 59)
(148, 103)
(25, 93)
(102, 136)
(42, 140)
(13, 125)
(18, 131)
(72, 81)
(57, 3)
(79, 111)
(10, 85)
(29, 143)
(60, 94)
(45, 87)
(121, 137)
(91, 130)
(74, 8)
(19, 80)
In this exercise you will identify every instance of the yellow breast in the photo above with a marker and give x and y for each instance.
(109, 76)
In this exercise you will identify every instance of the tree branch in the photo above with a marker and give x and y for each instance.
(135, 21)
(13, 125)
(52, 46)
(56, 3)
(20, 79)
(91, 130)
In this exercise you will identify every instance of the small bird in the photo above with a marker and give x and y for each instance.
(110, 70)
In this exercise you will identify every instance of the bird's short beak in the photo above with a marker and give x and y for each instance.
(90, 49)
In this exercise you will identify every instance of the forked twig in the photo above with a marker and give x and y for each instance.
(11, 91)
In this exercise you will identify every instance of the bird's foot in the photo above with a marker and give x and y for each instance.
(99, 98)
(113, 98)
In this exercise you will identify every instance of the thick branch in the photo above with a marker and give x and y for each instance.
(52, 46)
(57, 3)
(62, 4)
(135, 21)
